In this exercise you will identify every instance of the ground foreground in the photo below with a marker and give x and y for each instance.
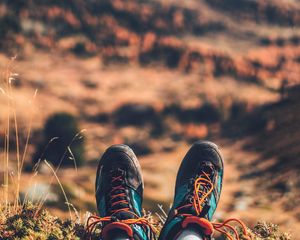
(31, 222)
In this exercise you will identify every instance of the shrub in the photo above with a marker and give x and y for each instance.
(206, 113)
(140, 147)
(134, 114)
(80, 49)
(60, 136)
(238, 109)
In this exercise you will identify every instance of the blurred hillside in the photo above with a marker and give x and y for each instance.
(158, 75)
(262, 46)
(272, 129)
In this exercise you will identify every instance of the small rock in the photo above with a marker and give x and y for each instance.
(38, 192)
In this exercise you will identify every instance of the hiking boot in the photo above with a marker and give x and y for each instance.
(197, 192)
(119, 196)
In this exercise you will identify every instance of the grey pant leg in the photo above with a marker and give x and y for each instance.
(189, 234)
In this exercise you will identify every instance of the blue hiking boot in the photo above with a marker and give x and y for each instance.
(197, 192)
(119, 196)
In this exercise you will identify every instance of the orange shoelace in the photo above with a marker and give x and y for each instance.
(207, 187)
(218, 227)
(95, 220)
(114, 195)
(203, 187)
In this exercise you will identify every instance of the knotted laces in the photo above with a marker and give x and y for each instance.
(203, 187)
(119, 205)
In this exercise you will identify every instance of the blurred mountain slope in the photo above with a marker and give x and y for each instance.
(273, 131)
(200, 37)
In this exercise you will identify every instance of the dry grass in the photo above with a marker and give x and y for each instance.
(21, 219)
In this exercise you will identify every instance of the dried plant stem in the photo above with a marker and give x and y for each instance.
(7, 138)
(62, 189)
(18, 157)
(28, 134)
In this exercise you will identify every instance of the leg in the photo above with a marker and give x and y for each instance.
(119, 196)
(119, 236)
(197, 192)
(189, 234)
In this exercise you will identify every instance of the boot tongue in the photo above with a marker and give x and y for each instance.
(189, 209)
(207, 168)
(119, 202)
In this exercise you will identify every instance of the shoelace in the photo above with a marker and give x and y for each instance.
(114, 195)
(95, 220)
(202, 188)
(218, 227)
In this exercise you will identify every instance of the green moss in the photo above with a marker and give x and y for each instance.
(269, 231)
(29, 222)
